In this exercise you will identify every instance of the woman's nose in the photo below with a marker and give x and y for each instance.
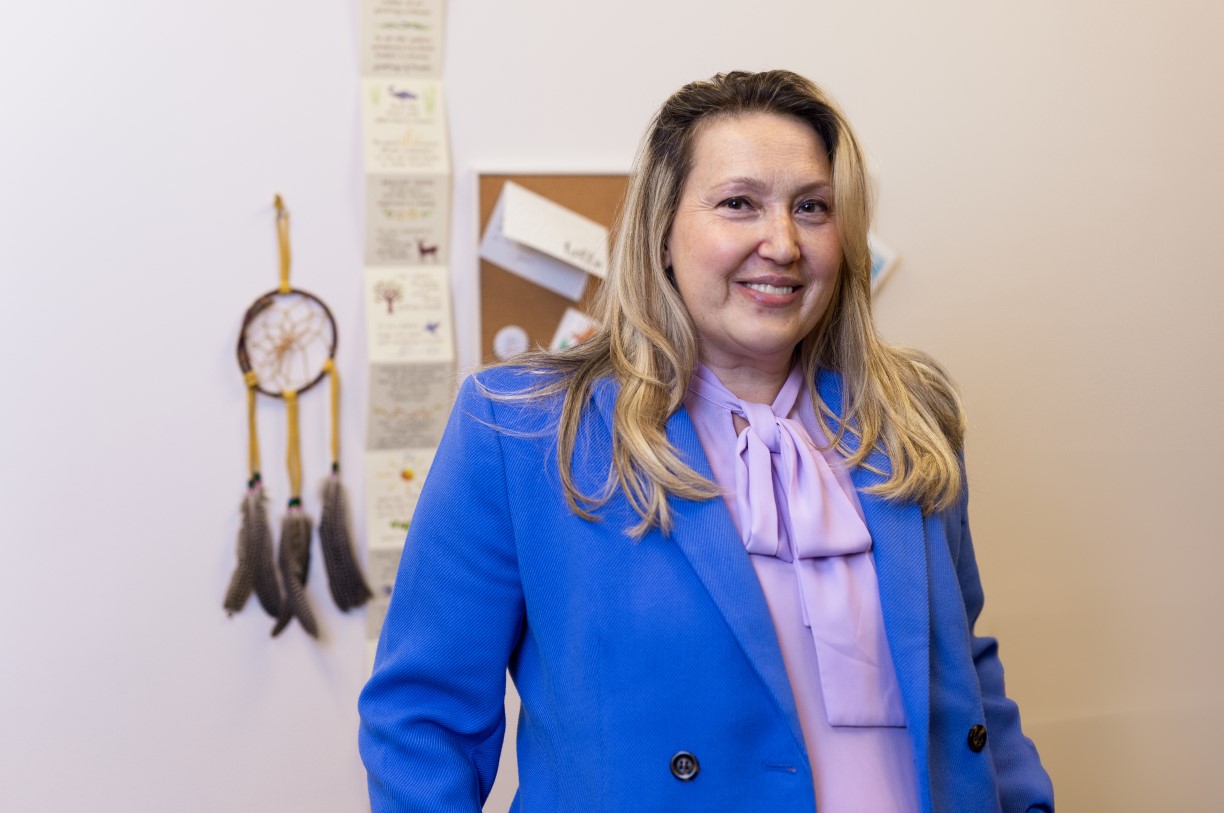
(780, 239)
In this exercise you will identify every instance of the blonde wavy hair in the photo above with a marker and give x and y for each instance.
(896, 399)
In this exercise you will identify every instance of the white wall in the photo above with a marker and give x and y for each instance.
(1048, 170)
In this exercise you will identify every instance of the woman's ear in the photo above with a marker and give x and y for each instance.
(666, 256)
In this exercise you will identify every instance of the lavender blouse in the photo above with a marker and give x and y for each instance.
(824, 601)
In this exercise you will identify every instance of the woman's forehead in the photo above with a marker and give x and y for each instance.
(761, 148)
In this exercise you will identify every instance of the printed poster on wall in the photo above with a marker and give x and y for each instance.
(409, 318)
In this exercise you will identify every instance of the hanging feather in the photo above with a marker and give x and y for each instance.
(296, 530)
(263, 564)
(243, 581)
(255, 571)
(348, 586)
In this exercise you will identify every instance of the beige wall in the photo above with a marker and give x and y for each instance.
(1061, 217)
(1049, 172)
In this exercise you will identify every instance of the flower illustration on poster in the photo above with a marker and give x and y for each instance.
(393, 484)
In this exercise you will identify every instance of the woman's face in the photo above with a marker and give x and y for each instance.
(754, 246)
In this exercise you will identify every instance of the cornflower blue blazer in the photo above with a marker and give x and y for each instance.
(625, 652)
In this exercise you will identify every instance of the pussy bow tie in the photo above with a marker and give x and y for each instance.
(792, 507)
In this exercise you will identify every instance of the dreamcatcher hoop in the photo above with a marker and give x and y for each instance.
(279, 342)
(283, 329)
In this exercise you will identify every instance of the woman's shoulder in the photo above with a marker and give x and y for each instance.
(902, 375)
(519, 382)
(930, 382)
(532, 392)
(933, 392)
(504, 380)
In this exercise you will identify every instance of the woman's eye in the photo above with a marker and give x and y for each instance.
(736, 204)
(811, 207)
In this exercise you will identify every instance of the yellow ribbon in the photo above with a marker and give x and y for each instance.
(252, 382)
(282, 239)
(329, 367)
(294, 458)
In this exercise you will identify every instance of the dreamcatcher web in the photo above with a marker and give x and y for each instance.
(288, 337)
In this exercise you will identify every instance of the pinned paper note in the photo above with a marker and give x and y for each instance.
(575, 327)
(883, 260)
(539, 223)
(544, 242)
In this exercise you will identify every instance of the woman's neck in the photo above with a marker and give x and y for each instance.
(755, 384)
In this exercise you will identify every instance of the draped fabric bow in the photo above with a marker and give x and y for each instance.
(792, 507)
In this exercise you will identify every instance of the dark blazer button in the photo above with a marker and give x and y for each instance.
(684, 766)
(977, 738)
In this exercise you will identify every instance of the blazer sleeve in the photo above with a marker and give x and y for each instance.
(1023, 784)
(433, 713)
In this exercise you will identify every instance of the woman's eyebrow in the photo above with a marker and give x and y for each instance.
(757, 184)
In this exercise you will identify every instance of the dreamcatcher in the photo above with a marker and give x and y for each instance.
(288, 345)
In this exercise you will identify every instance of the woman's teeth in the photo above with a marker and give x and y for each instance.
(770, 289)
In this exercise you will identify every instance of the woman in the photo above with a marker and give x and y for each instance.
(722, 545)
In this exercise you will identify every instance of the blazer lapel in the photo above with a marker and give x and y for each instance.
(705, 534)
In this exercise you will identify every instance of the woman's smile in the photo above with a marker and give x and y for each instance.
(773, 289)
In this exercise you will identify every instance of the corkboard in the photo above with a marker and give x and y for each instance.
(508, 299)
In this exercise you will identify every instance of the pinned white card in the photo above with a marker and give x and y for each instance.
(544, 242)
